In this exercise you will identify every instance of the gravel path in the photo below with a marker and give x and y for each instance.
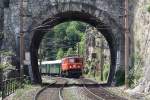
(49, 94)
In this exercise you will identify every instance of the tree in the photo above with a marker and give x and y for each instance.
(81, 45)
(70, 52)
(60, 54)
(149, 8)
(60, 30)
(8, 63)
(65, 35)
(72, 36)
(80, 26)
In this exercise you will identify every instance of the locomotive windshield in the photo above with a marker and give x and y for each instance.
(75, 60)
(71, 60)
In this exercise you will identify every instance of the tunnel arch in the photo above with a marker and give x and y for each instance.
(75, 16)
(111, 30)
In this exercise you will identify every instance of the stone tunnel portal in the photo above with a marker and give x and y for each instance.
(39, 32)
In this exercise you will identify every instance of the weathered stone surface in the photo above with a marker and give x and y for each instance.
(1, 21)
(101, 13)
(140, 27)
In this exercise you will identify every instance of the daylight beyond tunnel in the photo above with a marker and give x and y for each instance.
(48, 24)
(71, 40)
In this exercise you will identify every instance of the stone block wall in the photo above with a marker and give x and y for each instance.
(38, 11)
(140, 28)
(1, 15)
(1, 21)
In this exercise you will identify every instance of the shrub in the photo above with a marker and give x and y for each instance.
(149, 9)
(136, 71)
(2, 66)
(106, 71)
(120, 77)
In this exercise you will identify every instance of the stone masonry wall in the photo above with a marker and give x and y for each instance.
(140, 27)
(37, 11)
(1, 21)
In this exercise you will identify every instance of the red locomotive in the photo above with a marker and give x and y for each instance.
(72, 66)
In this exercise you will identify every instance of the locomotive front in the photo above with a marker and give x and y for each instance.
(72, 66)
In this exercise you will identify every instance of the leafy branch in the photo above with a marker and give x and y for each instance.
(6, 53)
(3, 66)
(149, 9)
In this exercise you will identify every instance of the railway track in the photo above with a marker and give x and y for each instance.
(52, 91)
(89, 89)
(97, 92)
(61, 90)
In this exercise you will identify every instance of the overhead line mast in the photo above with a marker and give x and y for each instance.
(21, 39)
(126, 44)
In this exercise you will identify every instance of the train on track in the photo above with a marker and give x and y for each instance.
(72, 66)
(50, 67)
(67, 67)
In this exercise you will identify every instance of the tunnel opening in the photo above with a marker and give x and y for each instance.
(78, 42)
(40, 31)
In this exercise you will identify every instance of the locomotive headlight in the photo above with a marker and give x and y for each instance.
(70, 66)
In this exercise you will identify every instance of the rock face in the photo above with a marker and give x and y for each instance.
(103, 14)
(1, 15)
(140, 27)
(1, 21)
(37, 12)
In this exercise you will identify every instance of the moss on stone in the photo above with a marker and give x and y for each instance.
(149, 9)
(120, 77)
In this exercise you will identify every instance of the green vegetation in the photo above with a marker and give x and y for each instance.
(3, 66)
(68, 39)
(120, 77)
(136, 71)
(1, 35)
(62, 41)
(149, 8)
(93, 73)
(60, 54)
(25, 93)
(106, 71)
(70, 52)
(30, 90)
(5, 53)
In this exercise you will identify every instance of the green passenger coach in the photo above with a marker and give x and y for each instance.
(50, 67)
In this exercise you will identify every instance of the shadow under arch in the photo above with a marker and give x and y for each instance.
(72, 16)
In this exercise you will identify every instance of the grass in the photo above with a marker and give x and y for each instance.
(97, 78)
(29, 91)
(23, 94)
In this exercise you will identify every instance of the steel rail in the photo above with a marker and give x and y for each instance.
(44, 88)
(60, 91)
(98, 97)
